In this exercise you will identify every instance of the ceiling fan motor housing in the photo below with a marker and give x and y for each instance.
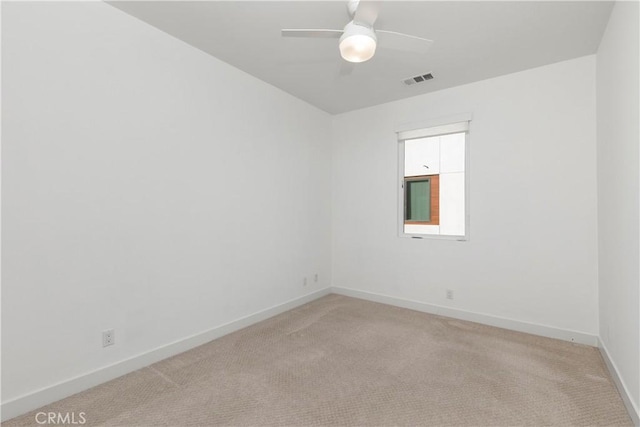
(358, 42)
(352, 6)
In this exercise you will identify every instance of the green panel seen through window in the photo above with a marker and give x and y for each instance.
(418, 200)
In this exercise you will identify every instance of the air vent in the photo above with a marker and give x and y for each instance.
(418, 79)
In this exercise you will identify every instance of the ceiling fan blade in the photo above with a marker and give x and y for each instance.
(318, 33)
(367, 12)
(403, 42)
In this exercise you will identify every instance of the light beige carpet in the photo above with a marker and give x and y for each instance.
(344, 361)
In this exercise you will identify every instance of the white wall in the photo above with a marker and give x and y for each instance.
(618, 201)
(532, 253)
(127, 160)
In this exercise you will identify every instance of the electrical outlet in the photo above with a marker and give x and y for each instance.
(449, 294)
(315, 278)
(108, 338)
(304, 282)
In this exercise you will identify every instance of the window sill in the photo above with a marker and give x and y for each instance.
(434, 237)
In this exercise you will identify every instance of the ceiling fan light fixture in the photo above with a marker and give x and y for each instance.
(357, 48)
(358, 43)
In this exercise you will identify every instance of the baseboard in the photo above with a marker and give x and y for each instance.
(50, 394)
(634, 411)
(485, 319)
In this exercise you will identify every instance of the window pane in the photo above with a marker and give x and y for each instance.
(418, 200)
(452, 204)
(422, 156)
(433, 182)
(452, 153)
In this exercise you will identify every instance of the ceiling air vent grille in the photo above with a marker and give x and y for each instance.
(418, 79)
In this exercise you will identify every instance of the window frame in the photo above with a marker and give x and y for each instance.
(416, 129)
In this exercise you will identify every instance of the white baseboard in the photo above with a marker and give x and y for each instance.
(632, 409)
(50, 394)
(485, 319)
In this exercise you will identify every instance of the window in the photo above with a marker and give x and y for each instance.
(433, 181)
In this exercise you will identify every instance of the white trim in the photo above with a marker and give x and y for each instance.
(632, 409)
(50, 394)
(485, 319)
(439, 121)
(400, 205)
(449, 128)
(467, 186)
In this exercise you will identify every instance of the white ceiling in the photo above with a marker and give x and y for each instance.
(473, 41)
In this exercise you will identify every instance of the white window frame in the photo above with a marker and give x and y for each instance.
(438, 127)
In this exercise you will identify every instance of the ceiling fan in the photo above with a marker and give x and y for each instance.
(358, 39)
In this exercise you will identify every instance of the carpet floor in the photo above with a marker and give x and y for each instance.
(347, 362)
